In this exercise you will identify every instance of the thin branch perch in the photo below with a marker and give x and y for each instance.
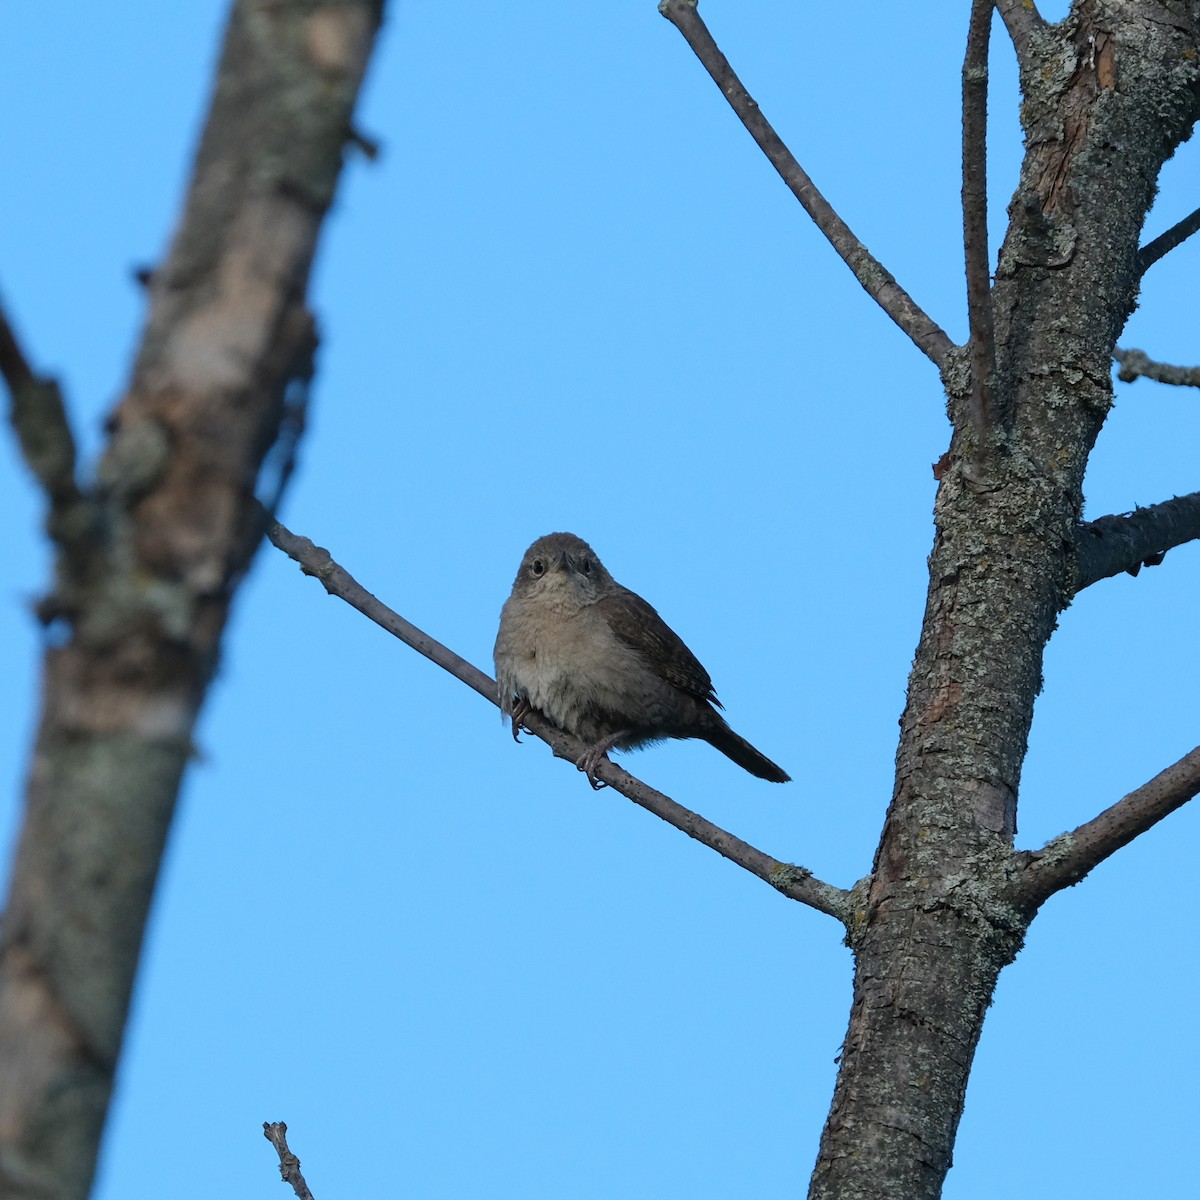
(797, 883)
(316, 561)
(1064, 861)
(1129, 541)
(974, 204)
(878, 282)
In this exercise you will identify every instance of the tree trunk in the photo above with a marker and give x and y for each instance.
(1108, 95)
(148, 562)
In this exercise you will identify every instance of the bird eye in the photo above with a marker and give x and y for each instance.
(585, 565)
(538, 567)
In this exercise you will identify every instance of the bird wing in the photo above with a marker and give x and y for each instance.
(639, 626)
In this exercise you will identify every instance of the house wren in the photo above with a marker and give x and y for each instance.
(599, 662)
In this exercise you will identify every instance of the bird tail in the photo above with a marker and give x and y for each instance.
(741, 752)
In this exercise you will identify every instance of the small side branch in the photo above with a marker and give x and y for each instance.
(974, 203)
(1151, 252)
(39, 419)
(1021, 18)
(879, 284)
(1135, 364)
(797, 883)
(289, 1165)
(1068, 858)
(1129, 541)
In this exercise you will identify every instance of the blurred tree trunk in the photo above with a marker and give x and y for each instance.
(148, 560)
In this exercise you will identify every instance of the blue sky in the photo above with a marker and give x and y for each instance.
(572, 295)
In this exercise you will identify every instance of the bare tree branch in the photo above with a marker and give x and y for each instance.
(1151, 252)
(1021, 18)
(1129, 541)
(1135, 364)
(316, 561)
(289, 1165)
(14, 366)
(1064, 861)
(982, 342)
(39, 419)
(878, 282)
(227, 334)
(795, 882)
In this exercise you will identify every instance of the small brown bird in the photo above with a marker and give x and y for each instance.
(599, 662)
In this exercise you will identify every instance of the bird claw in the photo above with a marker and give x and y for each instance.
(589, 764)
(519, 711)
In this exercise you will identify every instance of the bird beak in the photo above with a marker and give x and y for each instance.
(564, 562)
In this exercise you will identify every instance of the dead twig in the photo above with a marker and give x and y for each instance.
(289, 1165)
(877, 281)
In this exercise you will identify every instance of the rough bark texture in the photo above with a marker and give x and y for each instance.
(148, 561)
(147, 566)
(1109, 94)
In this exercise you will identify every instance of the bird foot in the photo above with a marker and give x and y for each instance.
(519, 712)
(589, 764)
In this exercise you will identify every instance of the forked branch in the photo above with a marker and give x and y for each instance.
(1064, 861)
(1129, 541)
(794, 882)
(1021, 18)
(878, 282)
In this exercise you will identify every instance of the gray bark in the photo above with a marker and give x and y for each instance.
(148, 563)
(1108, 95)
(149, 559)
